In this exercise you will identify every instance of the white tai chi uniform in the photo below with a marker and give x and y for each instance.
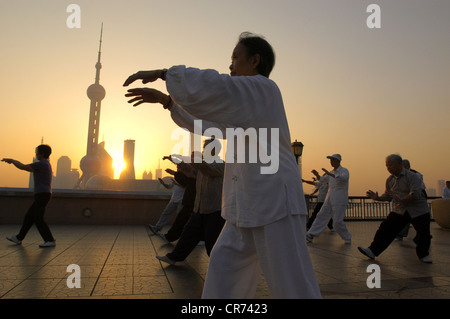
(335, 204)
(262, 202)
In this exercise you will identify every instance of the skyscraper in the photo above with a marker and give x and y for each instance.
(128, 159)
(66, 177)
(63, 166)
(147, 175)
(158, 171)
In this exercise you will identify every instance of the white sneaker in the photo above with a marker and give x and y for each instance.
(14, 240)
(48, 244)
(427, 260)
(166, 260)
(367, 252)
(309, 237)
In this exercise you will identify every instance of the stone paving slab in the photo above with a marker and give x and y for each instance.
(118, 262)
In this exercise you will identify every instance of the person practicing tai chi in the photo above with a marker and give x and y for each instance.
(405, 189)
(42, 176)
(336, 202)
(263, 204)
(173, 207)
(322, 189)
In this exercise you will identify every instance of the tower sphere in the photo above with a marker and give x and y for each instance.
(96, 92)
(90, 165)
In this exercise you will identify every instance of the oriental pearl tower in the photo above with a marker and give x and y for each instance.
(90, 164)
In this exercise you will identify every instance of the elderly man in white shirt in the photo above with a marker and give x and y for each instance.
(335, 204)
(264, 207)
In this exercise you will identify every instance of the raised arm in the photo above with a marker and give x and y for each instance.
(374, 195)
(220, 98)
(146, 76)
(19, 165)
(307, 182)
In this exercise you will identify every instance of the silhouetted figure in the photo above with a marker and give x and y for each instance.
(42, 174)
(404, 188)
(188, 181)
(407, 165)
(173, 207)
(205, 223)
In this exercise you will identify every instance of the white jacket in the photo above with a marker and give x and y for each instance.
(337, 186)
(249, 197)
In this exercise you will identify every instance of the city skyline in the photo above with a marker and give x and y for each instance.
(364, 93)
(66, 177)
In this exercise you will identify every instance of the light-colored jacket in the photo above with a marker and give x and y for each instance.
(337, 186)
(406, 183)
(250, 198)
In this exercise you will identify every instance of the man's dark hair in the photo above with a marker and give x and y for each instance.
(45, 150)
(256, 44)
(395, 158)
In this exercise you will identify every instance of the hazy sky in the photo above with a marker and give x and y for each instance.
(364, 93)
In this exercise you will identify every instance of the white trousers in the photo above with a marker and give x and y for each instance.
(327, 211)
(278, 249)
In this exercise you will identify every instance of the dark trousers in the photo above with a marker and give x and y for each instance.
(394, 223)
(314, 215)
(205, 227)
(35, 215)
(182, 218)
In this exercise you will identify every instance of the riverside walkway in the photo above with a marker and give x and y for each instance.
(118, 262)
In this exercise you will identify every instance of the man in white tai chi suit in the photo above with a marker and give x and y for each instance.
(263, 204)
(336, 202)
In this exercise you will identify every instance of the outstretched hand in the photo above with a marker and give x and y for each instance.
(145, 76)
(371, 194)
(170, 171)
(148, 95)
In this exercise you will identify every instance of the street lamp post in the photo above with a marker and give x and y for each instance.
(297, 149)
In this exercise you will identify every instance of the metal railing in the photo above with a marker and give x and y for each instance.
(362, 208)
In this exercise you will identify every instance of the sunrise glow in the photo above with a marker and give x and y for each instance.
(349, 89)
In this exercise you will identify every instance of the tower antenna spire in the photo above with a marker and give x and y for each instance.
(96, 94)
(100, 45)
(98, 65)
(91, 164)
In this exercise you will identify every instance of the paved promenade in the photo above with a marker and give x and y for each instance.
(119, 262)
